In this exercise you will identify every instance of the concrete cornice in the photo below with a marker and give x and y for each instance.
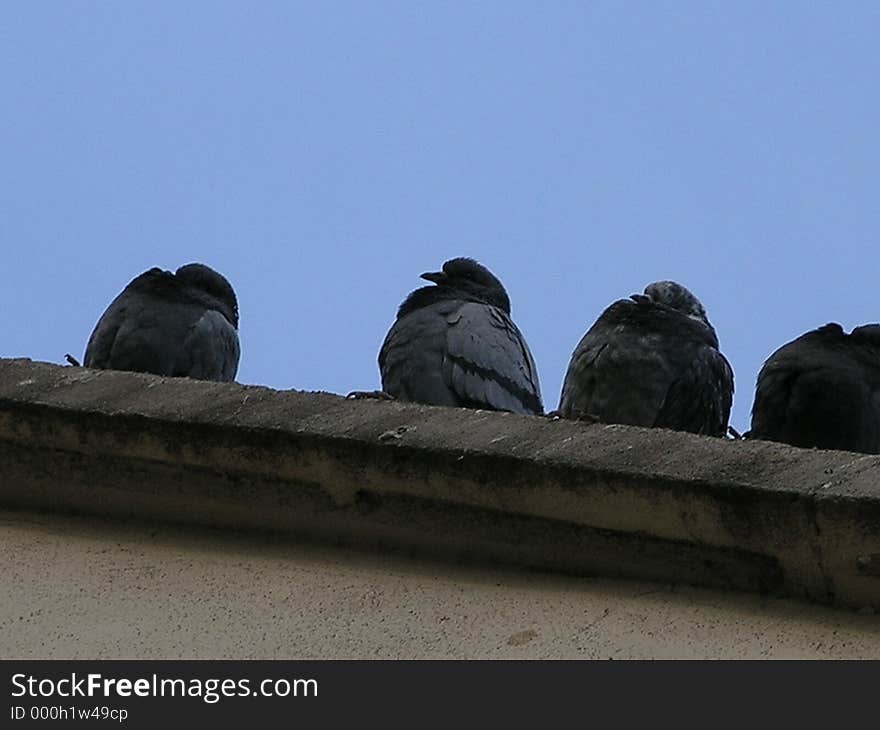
(556, 495)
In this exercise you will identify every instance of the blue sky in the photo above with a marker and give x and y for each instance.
(322, 155)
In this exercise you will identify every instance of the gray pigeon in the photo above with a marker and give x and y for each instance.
(454, 344)
(651, 360)
(180, 324)
(822, 390)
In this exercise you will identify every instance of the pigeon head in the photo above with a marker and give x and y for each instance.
(204, 279)
(674, 295)
(464, 276)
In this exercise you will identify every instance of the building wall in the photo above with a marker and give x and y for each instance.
(80, 588)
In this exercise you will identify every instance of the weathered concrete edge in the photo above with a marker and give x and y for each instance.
(636, 502)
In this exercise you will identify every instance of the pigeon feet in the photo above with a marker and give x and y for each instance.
(369, 394)
(583, 417)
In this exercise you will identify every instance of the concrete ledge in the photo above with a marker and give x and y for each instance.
(557, 495)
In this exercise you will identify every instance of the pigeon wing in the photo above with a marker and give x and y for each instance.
(210, 350)
(699, 400)
(125, 337)
(617, 373)
(487, 361)
(822, 390)
(132, 335)
(100, 345)
(411, 357)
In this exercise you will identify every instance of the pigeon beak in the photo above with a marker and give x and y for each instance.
(438, 277)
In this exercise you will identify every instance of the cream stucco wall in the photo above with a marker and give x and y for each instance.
(91, 588)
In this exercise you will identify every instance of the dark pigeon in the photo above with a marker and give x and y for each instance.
(454, 344)
(651, 360)
(181, 324)
(822, 390)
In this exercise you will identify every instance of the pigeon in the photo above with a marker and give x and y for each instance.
(454, 344)
(822, 390)
(651, 360)
(181, 324)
